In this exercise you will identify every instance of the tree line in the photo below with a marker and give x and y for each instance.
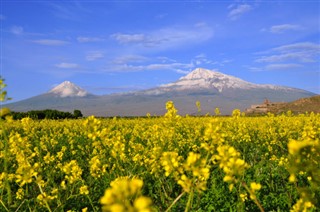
(46, 114)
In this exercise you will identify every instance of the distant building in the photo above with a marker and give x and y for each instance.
(260, 108)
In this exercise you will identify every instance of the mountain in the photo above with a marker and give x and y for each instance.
(213, 89)
(310, 104)
(212, 80)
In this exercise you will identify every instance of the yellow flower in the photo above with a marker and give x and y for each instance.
(243, 197)
(20, 193)
(63, 185)
(118, 197)
(84, 190)
(228, 178)
(73, 171)
(292, 178)
(255, 186)
(142, 204)
(115, 208)
(185, 183)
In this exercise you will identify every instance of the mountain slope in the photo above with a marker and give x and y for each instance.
(212, 89)
(310, 104)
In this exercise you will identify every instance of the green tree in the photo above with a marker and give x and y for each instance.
(77, 114)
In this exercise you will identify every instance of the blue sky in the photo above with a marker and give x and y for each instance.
(118, 46)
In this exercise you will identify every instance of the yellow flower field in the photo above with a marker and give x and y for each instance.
(168, 163)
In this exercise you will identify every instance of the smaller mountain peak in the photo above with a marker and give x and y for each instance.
(68, 89)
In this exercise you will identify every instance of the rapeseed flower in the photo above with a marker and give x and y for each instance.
(125, 195)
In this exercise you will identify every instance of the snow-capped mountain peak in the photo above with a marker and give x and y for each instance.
(198, 73)
(68, 89)
(206, 79)
(201, 78)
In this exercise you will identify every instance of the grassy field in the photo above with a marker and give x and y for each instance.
(168, 163)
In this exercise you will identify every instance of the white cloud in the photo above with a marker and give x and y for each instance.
(288, 57)
(285, 66)
(202, 59)
(88, 39)
(129, 38)
(179, 71)
(129, 59)
(278, 29)
(72, 11)
(149, 67)
(165, 59)
(239, 10)
(94, 55)
(166, 38)
(50, 42)
(303, 46)
(305, 52)
(67, 65)
(138, 63)
(17, 30)
(277, 67)
(298, 56)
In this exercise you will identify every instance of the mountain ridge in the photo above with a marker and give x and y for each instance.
(206, 79)
(212, 89)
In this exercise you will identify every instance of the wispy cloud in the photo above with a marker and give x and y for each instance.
(72, 10)
(94, 55)
(282, 66)
(129, 59)
(67, 65)
(149, 67)
(17, 30)
(88, 39)
(138, 63)
(165, 59)
(288, 57)
(279, 29)
(236, 11)
(202, 59)
(50, 42)
(298, 56)
(129, 38)
(302, 46)
(166, 38)
(305, 52)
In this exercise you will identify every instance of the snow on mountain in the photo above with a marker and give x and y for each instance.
(205, 79)
(68, 89)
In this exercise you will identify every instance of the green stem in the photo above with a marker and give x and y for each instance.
(91, 203)
(189, 203)
(4, 205)
(176, 200)
(45, 201)
(256, 201)
(20, 205)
